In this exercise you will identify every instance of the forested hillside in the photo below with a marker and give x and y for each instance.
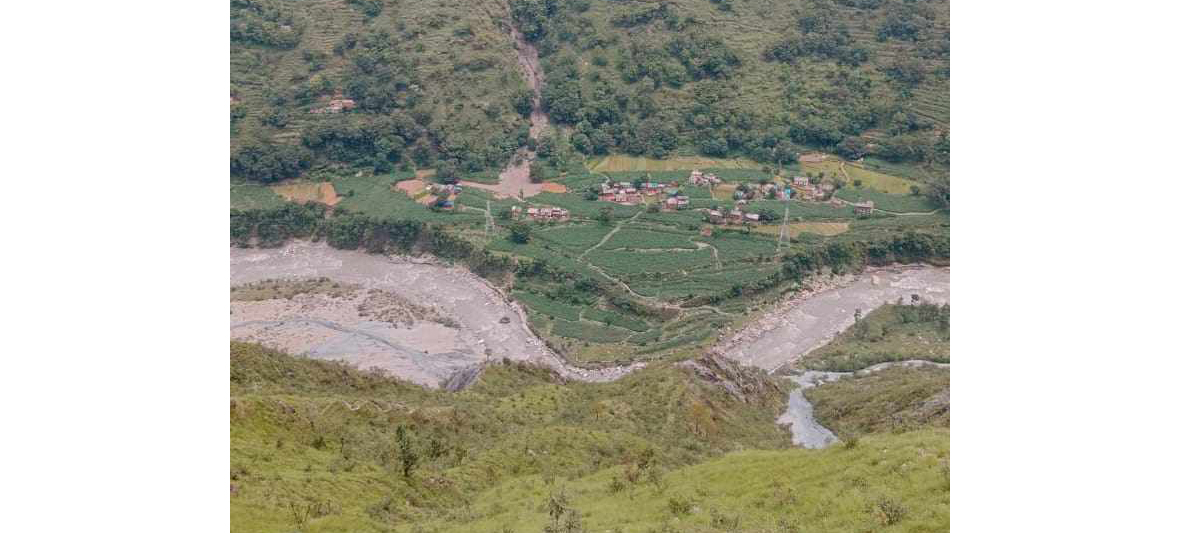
(436, 82)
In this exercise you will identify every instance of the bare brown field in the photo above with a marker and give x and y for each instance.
(304, 192)
(409, 187)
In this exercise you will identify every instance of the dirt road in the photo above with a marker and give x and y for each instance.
(801, 325)
(489, 328)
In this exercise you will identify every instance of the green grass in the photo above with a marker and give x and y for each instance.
(548, 307)
(589, 332)
(626, 163)
(892, 400)
(624, 263)
(574, 237)
(308, 431)
(896, 203)
(634, 238)
(372, 194)
(614, 319)
(883, 335)
(796, 490)
(247, 196)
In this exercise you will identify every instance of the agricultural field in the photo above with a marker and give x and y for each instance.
(626, 163)
(895, 203)
(825, 229)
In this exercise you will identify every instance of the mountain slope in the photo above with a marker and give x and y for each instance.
(438, 81)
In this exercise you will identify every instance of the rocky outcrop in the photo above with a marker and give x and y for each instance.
(747, 384)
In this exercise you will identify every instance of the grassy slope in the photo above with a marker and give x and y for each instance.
(795, 490)
(891, 400)
(888, 339)
(310, 431)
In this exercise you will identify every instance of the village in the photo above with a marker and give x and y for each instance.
(798, 188)
(668, 196)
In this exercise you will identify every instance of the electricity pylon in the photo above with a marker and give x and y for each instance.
(785, 234)
(489, 224)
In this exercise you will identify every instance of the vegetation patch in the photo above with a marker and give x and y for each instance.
(892, 332)
(548, 307)
(289, 288)
(591, 332)
(890, 400)
(626, 163)
(896, 203)
(827, 229)
(351, 450)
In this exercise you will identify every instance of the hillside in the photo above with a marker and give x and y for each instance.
(437, 83)
(325, 440)
(315, 445)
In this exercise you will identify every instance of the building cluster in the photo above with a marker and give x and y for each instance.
(444, 196)
(733, 216)
(337, 104)
(864, 208)
(556, 214)
(630, 193)
(703, 179)
(805, 189)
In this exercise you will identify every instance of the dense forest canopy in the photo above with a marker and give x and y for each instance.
(435, 81)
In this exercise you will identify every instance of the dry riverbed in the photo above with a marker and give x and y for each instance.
(419, 320)
(813, 318)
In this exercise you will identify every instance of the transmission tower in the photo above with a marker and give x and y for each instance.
(785, 235)
(489, 225)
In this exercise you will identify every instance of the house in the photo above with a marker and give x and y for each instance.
(544, 213)
(336, 105)
(864, 208)
(678, 202)
(714, 216)
(702, 179)
(735, 216)
(752, 218)
(800, 181)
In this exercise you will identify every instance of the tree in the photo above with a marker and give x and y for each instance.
(519, 233)
(768, 215)
(605, 216)
(523, 102)
(447, 172)
(563, 519)
(406, 451)
(858, 184)
(537, 172)
(914, 190)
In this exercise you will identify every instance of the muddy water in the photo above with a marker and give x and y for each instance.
(426, 354)
(797, 327)
(806, 431)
